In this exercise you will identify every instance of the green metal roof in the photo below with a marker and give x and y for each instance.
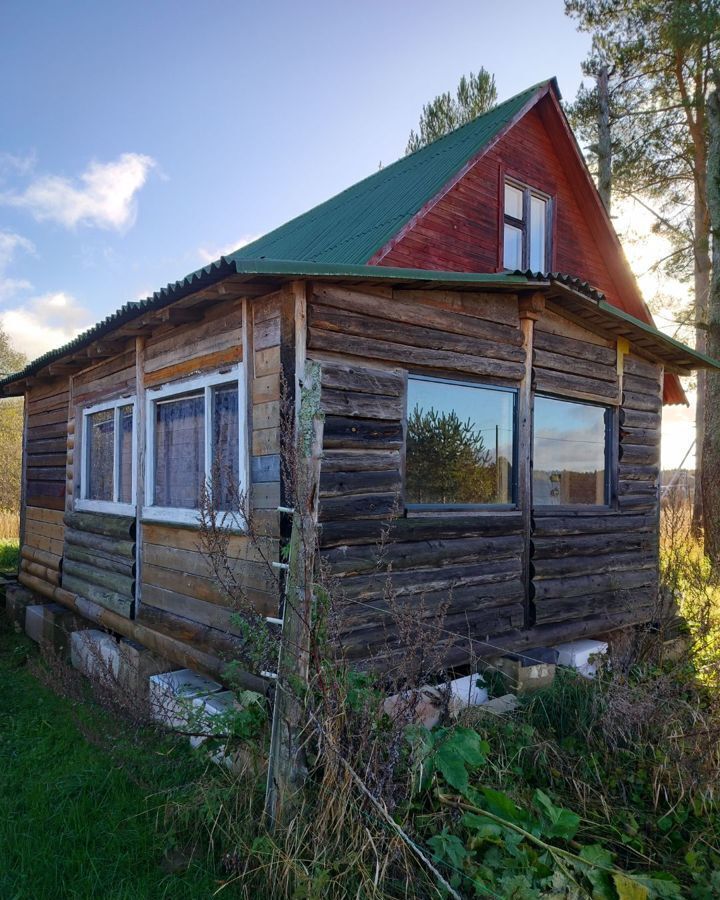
(355, 224)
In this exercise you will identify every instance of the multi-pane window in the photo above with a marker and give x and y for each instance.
(460, 446)
(570, 453)
(195, 441)
(108, 457)
(526, 242)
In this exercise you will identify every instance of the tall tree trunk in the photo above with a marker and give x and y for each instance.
(711, 435)
(604, 143)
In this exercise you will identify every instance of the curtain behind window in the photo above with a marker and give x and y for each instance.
(180, 451)
(100, 436)
(225, 444)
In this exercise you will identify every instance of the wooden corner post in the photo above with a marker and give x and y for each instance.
(530, 309)
(287, 767)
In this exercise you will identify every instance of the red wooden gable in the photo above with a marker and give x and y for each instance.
(461, 230)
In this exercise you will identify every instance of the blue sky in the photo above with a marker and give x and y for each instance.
(140, 140)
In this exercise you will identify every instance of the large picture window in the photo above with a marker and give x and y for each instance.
(107, 480)
(195, 438)
(526, 228)
(570, 455)
(460, 446)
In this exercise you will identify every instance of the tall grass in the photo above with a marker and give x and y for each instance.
(9, 525)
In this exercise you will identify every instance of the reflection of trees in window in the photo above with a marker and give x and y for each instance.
(447, 460)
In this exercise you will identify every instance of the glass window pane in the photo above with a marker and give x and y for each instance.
(512, 252)
(179, 451)
(125, 455)
(459, 444)
(538, 220)
(569, 453)
(100, 431)
(226, 445)
(513, 202)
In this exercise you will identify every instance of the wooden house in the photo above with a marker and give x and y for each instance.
(502, 421)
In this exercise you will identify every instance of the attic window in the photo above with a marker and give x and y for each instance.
(526, 236)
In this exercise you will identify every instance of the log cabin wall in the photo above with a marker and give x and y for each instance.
(43, 488)
(179, 595)
(367, 343)
(580, 563)
(587, 562)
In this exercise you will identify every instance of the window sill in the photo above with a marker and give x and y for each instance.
(180, 518)
(105, 506)
(576, 509)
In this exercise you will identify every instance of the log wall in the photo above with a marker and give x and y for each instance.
(43, 488)
(467, 569)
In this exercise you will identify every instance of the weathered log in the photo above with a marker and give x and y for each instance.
(591, 565)
(639, 454)
(366, 434)
(371, 348)
(333, 484)
(549, 379)
(631, 418)
(645, 402)
(52, 576)
(110, 599)
(366, 406)
(41, 557)
(119, 565)
(122, 527)
(641, 385)
(647, 488)
(359, 461)
(111, 546)
(639, 600)
(636, 504)
(629, 472)
(591, 584)
(559, 362)
(632, 365)
(607, 524)
(361, 506)
(362, 380)
(565, 346)
(645, 436)
(354, 560)
(592, 544)
(420, 528)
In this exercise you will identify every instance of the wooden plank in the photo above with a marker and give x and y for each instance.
(102, 596)
(365, 506)
(266, 388)
(603, 524)
(96, 575)
(265, 495)
(420, 528)
(239, 546)
(558, 362)
(501, 308)
(267, 361)
(578, 545)
(48, 502)
(565, 383)
(110, 545)
(581, 585)
(266, 415)
(645, 402)
(359, 460)
(266, 334)
(596, 564)
(114, 526)
(194, 365)
(209, 614)
(334, 484)
(51, 516)
(265, 468)
(41, 542)
(266, 441)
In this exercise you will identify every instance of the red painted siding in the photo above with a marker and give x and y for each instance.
(462, 231)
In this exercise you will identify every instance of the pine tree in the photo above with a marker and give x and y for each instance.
(475, 94)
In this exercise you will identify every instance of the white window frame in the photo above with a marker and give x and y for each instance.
(523, 224)
(177, 388)
(109, 506)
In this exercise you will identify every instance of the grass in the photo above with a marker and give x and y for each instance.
(9, 555)
(77, 815)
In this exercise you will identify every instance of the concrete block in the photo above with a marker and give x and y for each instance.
(171, 695)
(583, 655)
(137, 664)
(95, 653)
(59, 624)
(34, 616)
(17, 600)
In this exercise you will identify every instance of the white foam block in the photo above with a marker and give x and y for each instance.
(468, 691)
(581, 655)
(209, 707)
(34, 616)
(171, 695)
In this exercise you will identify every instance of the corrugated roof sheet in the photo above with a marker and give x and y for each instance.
(353, 225)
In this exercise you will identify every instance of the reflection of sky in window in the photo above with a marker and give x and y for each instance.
(568, 436)
(489, 411)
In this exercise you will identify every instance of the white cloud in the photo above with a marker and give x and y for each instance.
(104, 195)
(10, 244)
(211, 254)
(45, 322)
(14, 164)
